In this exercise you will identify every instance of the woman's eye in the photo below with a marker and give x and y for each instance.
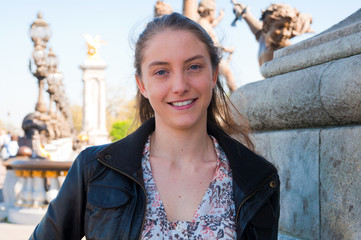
(160, 73)
(194, 67)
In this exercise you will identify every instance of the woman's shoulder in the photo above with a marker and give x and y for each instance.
(90, 153)
(87, 161)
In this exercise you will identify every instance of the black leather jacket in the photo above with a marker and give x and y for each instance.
(103, 195)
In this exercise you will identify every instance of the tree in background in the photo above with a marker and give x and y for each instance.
(120, 113)
(120, 129)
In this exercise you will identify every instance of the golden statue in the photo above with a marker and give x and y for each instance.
(279, 23)
(93, 45)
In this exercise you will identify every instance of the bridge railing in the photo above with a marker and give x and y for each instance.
(38, 181)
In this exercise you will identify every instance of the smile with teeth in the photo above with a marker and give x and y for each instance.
(183, 103)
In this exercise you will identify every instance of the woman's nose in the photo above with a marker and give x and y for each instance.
(180, 83)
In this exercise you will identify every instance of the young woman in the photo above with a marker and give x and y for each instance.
(180, 175)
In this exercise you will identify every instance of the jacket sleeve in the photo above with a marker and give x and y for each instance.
(64, 218)
(264, 224)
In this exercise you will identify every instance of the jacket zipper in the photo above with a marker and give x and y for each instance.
(251, 195)
(145, 194)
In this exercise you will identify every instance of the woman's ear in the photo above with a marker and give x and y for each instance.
(141, 87)
(214, 77)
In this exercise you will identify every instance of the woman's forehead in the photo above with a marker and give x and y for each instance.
(172, 42)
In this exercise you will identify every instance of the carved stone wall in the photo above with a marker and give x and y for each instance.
(307, 120)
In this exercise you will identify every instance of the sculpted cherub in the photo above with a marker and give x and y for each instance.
(208, 20)
(161, 8)
(278, 24)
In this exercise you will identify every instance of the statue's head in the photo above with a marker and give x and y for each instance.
(281, 22)
(33, 124)
(161, 8)
(207, 8)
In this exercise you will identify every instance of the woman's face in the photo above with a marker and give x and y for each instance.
(177, 79)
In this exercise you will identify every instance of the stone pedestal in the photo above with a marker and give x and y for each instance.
(29, 186)
(94, 102)
(307, 120)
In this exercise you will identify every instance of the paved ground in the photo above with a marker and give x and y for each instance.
(9, 231)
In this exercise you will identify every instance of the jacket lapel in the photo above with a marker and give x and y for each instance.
(249, 170)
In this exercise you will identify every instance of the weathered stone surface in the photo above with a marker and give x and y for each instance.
(295, 154)
(323, 95)
(340, 90)
(282, 236)
(340, 41)
(340, 176)
(283, 102)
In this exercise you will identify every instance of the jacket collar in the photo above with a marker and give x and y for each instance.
(248, 169)
(126, 154)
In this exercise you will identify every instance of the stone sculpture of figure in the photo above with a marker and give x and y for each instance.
(36, 133)
(93, 44)
(161, 8)
(208, 20)
(278, 24)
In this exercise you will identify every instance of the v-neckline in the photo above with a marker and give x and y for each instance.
(195, 215)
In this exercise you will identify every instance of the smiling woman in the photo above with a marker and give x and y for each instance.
(180, 175)
(178, 85)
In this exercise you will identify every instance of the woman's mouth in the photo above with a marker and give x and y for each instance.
(182, 103)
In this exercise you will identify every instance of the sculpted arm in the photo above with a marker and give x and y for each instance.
(254, 24)
(219, 18)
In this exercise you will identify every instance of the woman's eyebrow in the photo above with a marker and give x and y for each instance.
(155, 63)
(194, 58)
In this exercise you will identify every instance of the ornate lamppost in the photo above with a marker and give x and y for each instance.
(40, 34)
(54, 77)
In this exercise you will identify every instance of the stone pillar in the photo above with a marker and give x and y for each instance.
(94, 123)
(306, 116)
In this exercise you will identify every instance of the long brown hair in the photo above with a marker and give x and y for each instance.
(218, 111)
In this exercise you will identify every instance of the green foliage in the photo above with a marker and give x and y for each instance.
(120, 129)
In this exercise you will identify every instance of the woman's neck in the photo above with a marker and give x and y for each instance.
(182, 146)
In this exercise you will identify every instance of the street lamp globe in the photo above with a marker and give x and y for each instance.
(52, 61)
(54, 79)
(39, 29)
(39, 53)
(58, 77)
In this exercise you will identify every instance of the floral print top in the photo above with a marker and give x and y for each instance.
(214, 218)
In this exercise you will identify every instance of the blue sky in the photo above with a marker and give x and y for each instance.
(119, 23)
